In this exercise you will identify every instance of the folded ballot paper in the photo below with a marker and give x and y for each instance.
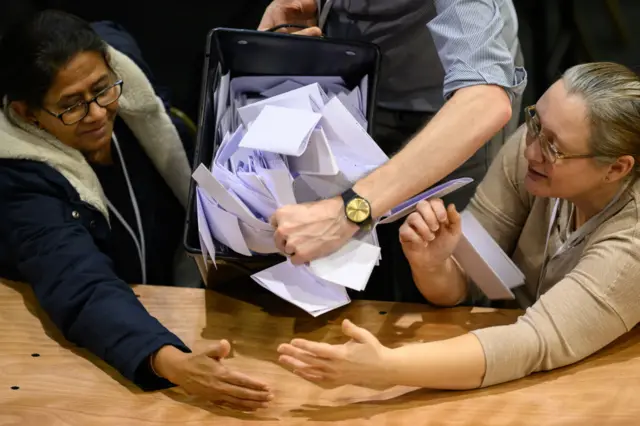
(288, 140)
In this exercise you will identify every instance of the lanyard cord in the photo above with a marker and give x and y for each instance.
(139, 243)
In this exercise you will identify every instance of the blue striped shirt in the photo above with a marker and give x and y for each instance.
(477, 45)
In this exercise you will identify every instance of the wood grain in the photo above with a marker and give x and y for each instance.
(66, 386)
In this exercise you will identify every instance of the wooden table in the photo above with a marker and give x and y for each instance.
(62, 385)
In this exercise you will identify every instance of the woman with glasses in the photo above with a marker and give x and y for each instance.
(93, 185)
(563, 200)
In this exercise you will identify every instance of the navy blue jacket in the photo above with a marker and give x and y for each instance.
(54, 241)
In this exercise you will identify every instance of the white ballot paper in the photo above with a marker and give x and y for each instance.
(286, 140)
(486, 264)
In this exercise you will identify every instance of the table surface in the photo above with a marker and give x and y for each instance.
(64, 385)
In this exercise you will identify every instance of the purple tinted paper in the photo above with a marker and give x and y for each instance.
(403, 209)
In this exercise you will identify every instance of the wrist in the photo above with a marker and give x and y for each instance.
(390, 362)
(421, 266)
(166, 362)
(364, 191)
(349, 227)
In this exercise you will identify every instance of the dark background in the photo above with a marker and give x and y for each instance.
(554, 34)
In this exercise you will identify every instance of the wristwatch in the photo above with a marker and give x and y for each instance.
(357, 209)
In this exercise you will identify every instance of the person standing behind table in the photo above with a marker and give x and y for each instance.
(92, 176)
(464, 52)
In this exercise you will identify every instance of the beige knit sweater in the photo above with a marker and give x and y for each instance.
(590, 293)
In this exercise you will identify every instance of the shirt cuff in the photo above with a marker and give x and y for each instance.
(464, 75)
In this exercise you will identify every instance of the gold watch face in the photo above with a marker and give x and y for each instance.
(358, 210)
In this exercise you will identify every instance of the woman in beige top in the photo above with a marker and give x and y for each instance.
(570, 171)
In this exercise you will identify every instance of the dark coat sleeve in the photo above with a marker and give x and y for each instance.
(76, 285)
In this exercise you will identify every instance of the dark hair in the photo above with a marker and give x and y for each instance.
(32, 53)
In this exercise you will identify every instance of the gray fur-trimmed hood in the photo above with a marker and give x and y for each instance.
(144, 114)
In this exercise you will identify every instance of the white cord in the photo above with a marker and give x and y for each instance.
(140, 245)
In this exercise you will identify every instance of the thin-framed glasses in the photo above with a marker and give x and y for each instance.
(79, 111)
(550, 152)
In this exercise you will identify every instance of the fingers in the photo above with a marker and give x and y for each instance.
(311, 32)
(303, 370)
(439, 210)
(320, 350)
(426, 210)
(453, 215)
(408, 234)
(358, 334)
(241, 404)
(244, 393)
(293, 363)
(311, 376)
(219, 350)
(242, 380)
(419, 225)
(301, 356)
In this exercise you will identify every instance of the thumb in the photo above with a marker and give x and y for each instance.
(219, 350)
(454, 219)
(358, 334)
(311, 32)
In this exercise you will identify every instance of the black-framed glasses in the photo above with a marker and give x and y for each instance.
(550, 152)
(79, 111)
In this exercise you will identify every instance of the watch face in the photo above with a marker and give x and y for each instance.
(358, 210)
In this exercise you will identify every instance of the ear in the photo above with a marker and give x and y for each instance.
(23, 111)
(620, 169)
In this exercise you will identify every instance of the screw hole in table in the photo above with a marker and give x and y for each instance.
(15, 387)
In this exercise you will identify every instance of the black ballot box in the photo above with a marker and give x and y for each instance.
(234, 53)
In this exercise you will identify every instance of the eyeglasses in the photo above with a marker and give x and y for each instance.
(79, 111)
(534, 130)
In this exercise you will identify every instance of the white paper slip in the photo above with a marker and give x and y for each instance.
(309, 188)
(221, 95)
(295, 99)
(284, 87)
(406, 208)
(253, 181)
(228, 147)
(257, 240)
(258, 84)
(317, 159)
(204, 232)
(280, 184)
(340, 126)
(488, 266)
(225, 199)
(281, 130)
(351, 102)
(260, 205)
(302, 289)
(351, 266)
(350, 163)
(224, 226)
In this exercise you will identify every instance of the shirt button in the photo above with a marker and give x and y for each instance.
(75, 214)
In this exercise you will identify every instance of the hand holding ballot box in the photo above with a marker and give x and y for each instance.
(285, 139)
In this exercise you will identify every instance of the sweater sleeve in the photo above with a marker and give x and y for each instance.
(589, 308)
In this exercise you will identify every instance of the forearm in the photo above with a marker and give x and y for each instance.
(472, 117)
(455, 364)
(444, 285)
